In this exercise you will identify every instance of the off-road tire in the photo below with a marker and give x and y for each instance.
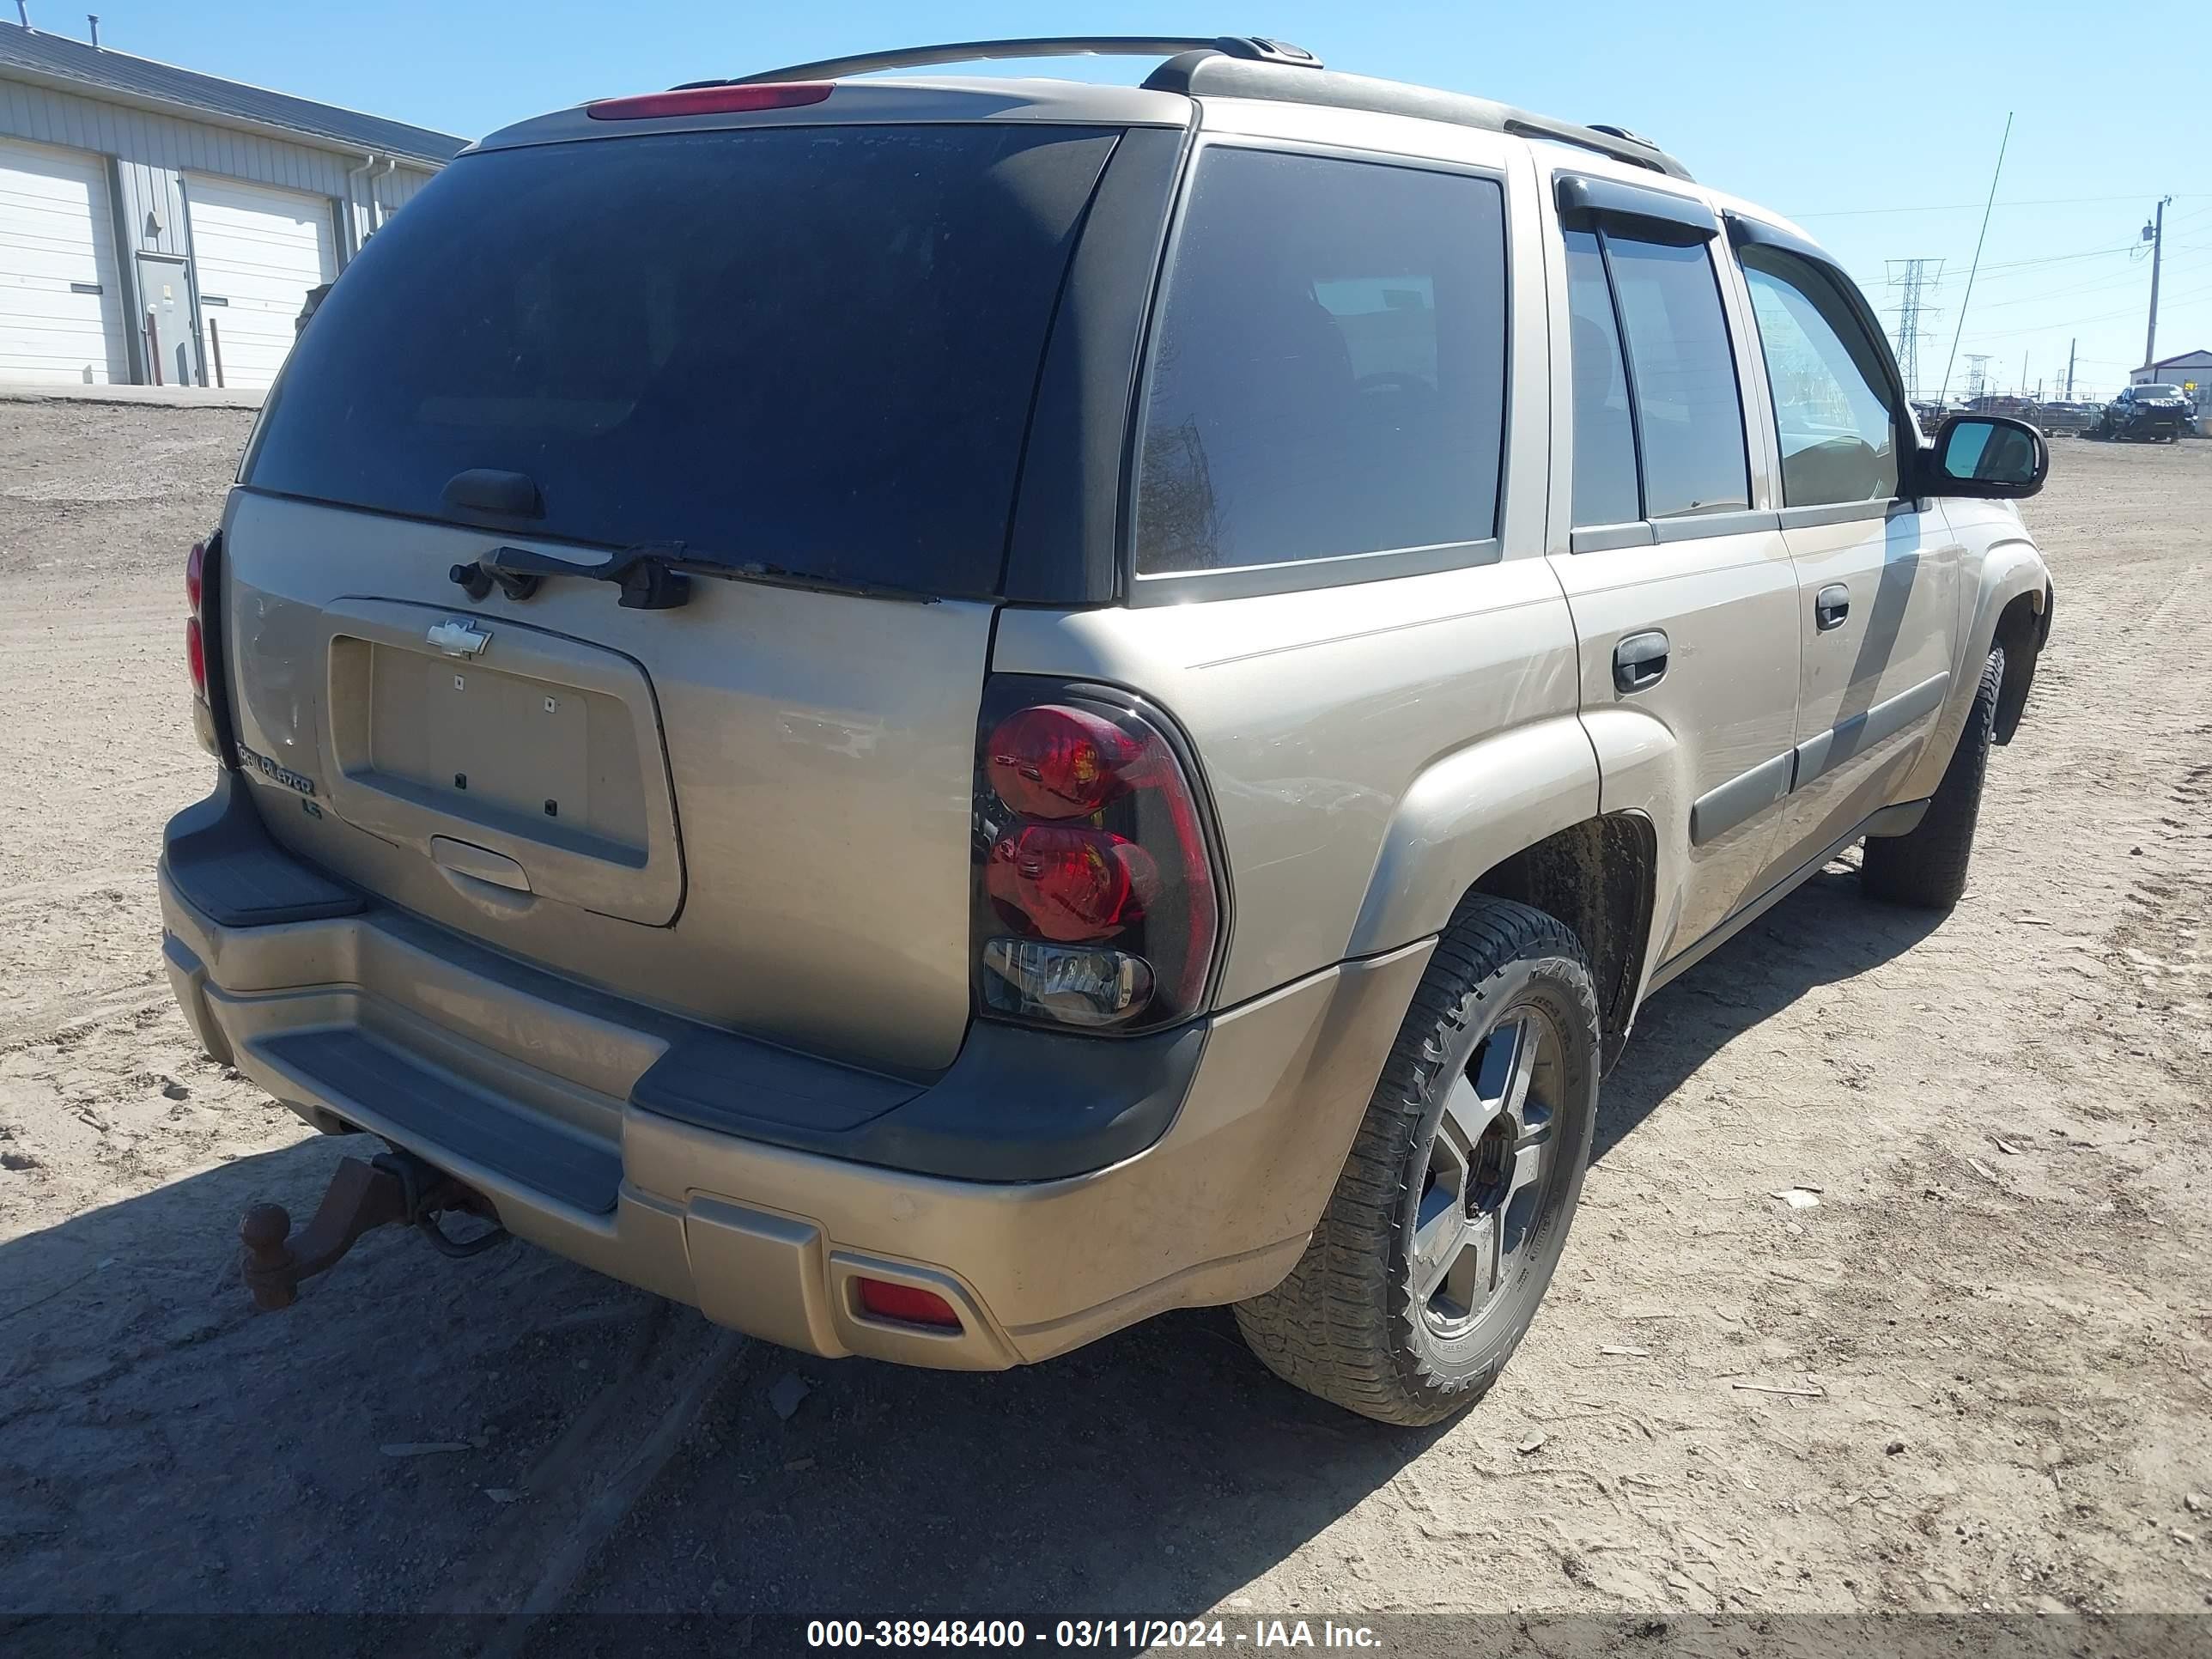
(1928, 867)
(1343, 1325)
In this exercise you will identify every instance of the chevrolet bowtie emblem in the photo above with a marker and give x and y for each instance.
(460, 639)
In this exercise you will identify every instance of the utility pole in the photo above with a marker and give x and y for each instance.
(2023, 373)
(2154, 233)
(2071, 347)
(1912, 284)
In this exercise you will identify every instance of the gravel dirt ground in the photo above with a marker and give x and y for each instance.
(1977, 1374)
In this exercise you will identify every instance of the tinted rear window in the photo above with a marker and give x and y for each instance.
(812, 347)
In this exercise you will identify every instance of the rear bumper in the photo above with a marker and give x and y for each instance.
(700, 1166)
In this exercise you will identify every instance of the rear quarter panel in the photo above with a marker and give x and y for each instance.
(1370, 750)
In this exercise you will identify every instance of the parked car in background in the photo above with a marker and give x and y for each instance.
(2065, 419)
(2155, 413)
(1084, 699)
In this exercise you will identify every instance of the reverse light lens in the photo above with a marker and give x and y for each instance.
(908, 1303)
(709, 101)
(196, 655)
(1074, 985)
(194, 572)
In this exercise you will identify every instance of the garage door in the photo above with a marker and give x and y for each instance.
(256, 252)
(60, 306)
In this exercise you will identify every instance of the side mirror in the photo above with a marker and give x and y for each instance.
(1990, 456)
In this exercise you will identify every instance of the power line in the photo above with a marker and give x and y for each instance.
(2075, 322)
(2013, 267)
(1958, 207)
(2099, 285)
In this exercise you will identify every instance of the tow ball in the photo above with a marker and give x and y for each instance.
(392, 1189)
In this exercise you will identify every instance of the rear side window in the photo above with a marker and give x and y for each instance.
(1651, 345)
(810, 347)
(1689, 412)
(1831, 393)
(1327, 374)
(1605, 431)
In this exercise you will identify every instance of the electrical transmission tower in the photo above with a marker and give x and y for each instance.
(1912, 278)
(1977, 374)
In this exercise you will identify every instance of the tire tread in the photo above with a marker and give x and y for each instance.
(1331, 1328)
(1927, 868)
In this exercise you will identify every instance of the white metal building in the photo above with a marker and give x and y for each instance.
(159, 226)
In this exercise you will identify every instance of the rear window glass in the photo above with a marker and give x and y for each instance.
(812, 347)
(1328, 373)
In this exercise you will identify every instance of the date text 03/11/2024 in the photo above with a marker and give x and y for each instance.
(1127, 1634)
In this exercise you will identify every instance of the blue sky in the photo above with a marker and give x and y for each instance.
(1877, 126)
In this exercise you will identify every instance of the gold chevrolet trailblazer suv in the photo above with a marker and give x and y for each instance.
(939, 713)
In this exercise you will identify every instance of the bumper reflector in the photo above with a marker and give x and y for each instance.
(906, 1302)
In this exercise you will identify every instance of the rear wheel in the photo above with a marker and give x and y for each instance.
(1453, 1208)
(1928, 867)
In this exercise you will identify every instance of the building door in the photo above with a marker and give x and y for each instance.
(165, 320)
(256, 252)
(61, 303)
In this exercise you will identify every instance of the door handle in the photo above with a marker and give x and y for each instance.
(1831, 605)
(1639, 662)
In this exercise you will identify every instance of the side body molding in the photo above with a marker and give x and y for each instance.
(1464, 814)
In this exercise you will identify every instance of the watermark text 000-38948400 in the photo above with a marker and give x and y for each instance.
(1123, 1635)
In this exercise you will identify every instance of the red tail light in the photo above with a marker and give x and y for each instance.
(204, 643)
(907, 1302)
(709, 101)
(1094, 901)
(1071, 884)
(195, 643)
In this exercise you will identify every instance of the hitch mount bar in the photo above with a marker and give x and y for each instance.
(394, 1188)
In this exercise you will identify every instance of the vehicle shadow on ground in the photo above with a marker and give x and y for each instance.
(168, 1449)
(1825, 932)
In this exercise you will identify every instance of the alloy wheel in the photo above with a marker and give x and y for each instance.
(1489, 1176)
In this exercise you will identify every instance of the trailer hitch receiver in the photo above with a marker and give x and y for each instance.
(391, 1188)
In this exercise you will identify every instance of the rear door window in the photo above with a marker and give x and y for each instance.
(1327, 372)
(1606, 490)
(1689, 413)
(810, 347)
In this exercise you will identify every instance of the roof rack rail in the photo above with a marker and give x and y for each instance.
(1245, 66)
(1201, 74)
(1251, 47)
